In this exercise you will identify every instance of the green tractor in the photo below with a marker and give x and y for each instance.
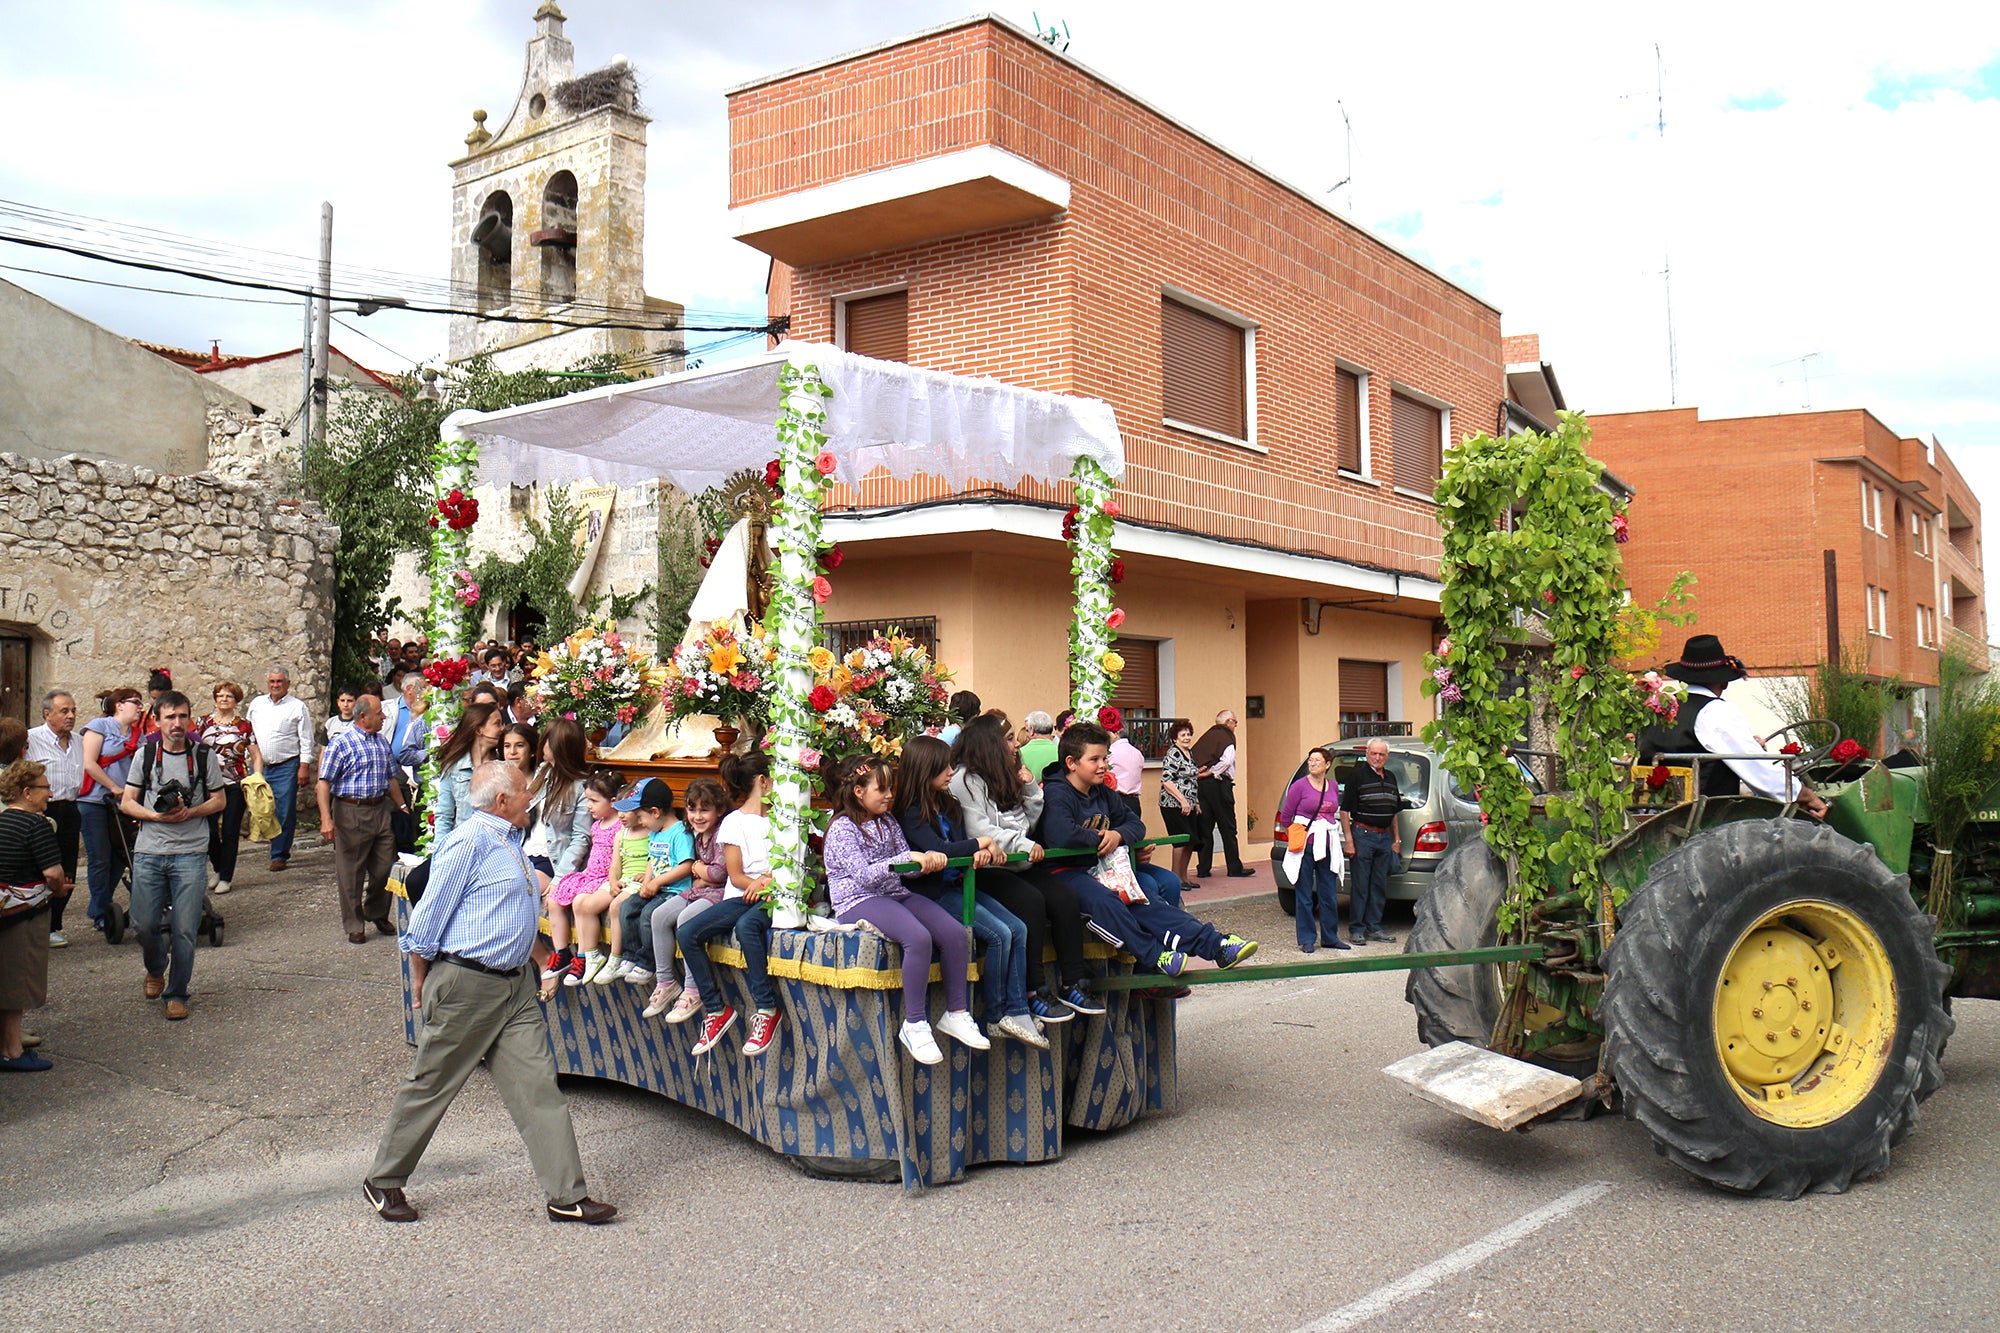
(1770, 998)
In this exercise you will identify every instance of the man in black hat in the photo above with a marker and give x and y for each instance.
(1709, 724)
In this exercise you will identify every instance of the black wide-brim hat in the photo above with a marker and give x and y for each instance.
(1704, 663)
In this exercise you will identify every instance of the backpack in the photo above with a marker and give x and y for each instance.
(197, 769)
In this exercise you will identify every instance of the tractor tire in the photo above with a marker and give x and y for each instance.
(1773, 1009)
(1461, 910)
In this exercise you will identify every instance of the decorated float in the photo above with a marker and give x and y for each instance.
(838, 1095)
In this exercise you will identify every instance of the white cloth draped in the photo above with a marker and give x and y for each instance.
(1323, 845)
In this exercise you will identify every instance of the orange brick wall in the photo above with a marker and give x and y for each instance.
(1748, 506)
(1071, 303)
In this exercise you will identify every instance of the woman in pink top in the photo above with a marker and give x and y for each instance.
(1310, 806)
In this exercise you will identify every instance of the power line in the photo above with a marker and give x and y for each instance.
(135, 287)
(377, 341)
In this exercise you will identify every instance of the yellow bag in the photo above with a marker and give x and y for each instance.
(260, 809)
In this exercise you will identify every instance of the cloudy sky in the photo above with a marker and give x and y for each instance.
(1823, 191)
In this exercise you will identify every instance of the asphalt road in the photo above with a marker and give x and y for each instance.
(206, 1174)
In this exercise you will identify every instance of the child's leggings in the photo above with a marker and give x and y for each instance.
(666, 917)
(917, 924)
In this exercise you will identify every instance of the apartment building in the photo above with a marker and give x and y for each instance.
(1751, 505)
(968, 199)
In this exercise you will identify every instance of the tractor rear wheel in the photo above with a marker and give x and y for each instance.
(1461, 910)
(1773, 1009)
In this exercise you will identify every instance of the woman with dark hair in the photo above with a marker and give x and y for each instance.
(558, 840)
(31, 874)
(745, 838)
(932, 821)
(472, 742)
(109, 742)
(1180, 798)
(1309, 824)
(1002, 801)
(234, 742)
(962, 708)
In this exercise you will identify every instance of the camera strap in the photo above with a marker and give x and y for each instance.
(197, 769)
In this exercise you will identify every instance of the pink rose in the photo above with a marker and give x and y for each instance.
(1576, 673)
(809, 759)
(1111, 509)
(1115, 619)
(821, 589)
(825, 464)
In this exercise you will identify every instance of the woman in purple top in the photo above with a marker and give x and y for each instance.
(862, 843)
(1311, 804)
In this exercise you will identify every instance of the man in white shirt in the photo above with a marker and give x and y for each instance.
(1709, 724)
(58, 748)
(284, 728)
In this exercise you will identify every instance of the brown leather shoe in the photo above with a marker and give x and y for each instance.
(389, 1205)
(358, 937)
(277, 864)
(381, 923)
(155, 987)
(176, 1010)
(585, 1210)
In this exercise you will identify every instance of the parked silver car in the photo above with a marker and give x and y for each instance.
(1435, 812)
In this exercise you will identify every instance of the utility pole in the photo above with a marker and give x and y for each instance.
(322, 324)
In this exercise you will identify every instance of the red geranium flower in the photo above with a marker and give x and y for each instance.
(1657, 778)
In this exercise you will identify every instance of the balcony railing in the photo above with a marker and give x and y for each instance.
(1980, 654)
(1152, 735)
(844, 636)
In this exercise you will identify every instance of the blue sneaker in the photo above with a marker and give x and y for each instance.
(1045, 1006)
(1082, 1001)
(1171, 962)
(1233, 951)
(27, 1062)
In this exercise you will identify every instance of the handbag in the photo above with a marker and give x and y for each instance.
(1295, 836)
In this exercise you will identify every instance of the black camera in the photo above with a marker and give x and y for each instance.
(171, 796)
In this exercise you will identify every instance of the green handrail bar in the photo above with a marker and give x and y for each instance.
(1060, 853)
(1397, 962)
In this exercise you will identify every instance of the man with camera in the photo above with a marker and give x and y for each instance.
(171, 788)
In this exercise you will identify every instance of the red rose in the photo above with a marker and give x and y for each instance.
(1793, 748)
(1848, 751)
(1657, 778)
(823, 698)
(1110, 718)
(771, 472)
(1117, 571)
(455, 496)
(830, 558)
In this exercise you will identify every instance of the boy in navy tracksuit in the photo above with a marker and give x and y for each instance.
(1078, 811)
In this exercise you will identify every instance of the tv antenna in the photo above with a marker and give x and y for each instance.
(1348, 179)
(1805, 375)
(1057, 37)
(1666, 249)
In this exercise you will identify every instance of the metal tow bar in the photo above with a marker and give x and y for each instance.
(1500, 953)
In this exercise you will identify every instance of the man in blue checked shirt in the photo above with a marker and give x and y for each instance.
(469, 941)
(359, 783)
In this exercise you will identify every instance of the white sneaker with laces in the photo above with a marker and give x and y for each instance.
(922, 1046)
(594, 964)
(961, 1028)
(58, 940)
(223, 886)
(612, 970)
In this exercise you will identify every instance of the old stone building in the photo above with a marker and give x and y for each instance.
(145, 522)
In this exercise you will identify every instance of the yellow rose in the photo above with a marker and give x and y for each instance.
(841, 678)
(1113, 663)
(821, 660)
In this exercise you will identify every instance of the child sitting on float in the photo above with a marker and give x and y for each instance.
(665, 856)
(1078, 811)
(702, 874)
(587, 893)
(745, 839)
(862, 843)
(933, 822)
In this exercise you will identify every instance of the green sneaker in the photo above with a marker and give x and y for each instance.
(1171, 962)
(1234, 950)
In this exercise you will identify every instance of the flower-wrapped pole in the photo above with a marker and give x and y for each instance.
(1093, 668)
(451, 545)
(792, 628)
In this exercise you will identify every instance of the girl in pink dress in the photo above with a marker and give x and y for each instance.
(600, 789)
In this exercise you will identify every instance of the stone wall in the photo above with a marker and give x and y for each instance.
(243, 446)
(112, 569)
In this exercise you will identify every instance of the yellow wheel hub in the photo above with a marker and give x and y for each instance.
(1805, 1013)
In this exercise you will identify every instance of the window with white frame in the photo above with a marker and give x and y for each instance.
(1944, 598)
(1878, 511)
(1350, 419)
(1878, 611)
(1419, 425)
(1208, 360)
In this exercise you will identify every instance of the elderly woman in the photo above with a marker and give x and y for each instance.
(30, 874)
(234, 741)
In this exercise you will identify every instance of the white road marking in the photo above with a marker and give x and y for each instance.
(1385, 1298)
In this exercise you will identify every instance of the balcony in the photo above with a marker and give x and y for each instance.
(1979, 653)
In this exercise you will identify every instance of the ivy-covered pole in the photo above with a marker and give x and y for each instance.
(452, 599)
(792, 620)
(1093, 667)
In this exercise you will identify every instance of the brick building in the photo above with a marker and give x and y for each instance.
(970, 200)
(1750, 504)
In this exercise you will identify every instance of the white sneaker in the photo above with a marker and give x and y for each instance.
(960, 1027)
(594, 964)
(637, 975)
(1021, 1027)
(612, 969)
(213, 878)
(223, 886)
(58, 940)
(922, 1046)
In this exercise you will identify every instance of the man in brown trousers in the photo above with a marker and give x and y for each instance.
(359, 784)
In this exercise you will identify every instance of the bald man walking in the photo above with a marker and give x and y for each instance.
(359, 784)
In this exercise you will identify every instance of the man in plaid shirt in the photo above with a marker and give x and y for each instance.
(359, 784)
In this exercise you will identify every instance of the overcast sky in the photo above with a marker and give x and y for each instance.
(1824, 190)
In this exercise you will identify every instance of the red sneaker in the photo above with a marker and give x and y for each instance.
(763, 1031)
(713, 1028)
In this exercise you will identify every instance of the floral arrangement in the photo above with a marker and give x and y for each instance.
(465, 587)
(598, 679)
(721, 673)
(1847, 752)
(1088, 526)
(448, 673)
(1662, 694)
(873, 699)
(447, 618)
(458, 511)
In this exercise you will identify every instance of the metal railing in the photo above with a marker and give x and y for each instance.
(1152, 736)
(844, 636)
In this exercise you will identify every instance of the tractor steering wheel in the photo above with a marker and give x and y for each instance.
(1810, 755)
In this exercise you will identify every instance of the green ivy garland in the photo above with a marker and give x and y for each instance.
(1528, 531)
(1094, 668)
(454, 462)
(792, 620)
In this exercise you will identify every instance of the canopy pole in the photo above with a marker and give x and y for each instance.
(1093, 667)
(792, 620)
(454, 462)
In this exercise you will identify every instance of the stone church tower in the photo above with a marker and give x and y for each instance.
(548, 218)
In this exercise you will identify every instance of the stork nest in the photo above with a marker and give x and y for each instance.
(614, 85)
